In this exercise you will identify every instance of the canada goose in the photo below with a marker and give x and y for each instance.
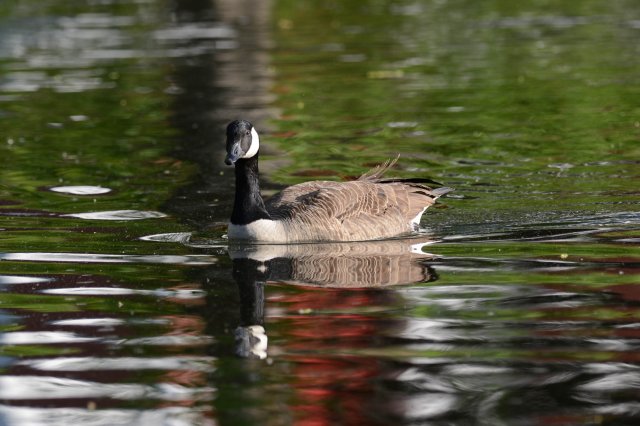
(367, 208)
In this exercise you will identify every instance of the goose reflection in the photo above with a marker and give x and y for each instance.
(373, 264)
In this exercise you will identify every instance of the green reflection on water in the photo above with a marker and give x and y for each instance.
(117, 135)
(520, 107)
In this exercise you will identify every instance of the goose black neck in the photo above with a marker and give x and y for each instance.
(248, 205)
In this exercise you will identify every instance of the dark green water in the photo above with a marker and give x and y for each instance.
(122, 304)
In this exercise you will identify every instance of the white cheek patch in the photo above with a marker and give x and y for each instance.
(255, 144)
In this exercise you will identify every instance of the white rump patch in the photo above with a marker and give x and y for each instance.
(255, 144)
(260, 230)
(416, 220)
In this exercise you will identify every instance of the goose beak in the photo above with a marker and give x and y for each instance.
(234, 154)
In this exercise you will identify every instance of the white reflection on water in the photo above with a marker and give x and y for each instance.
(14, 279)
(425, 406)
(109, 322)
(81, 190)
(90, 322)
(174, 237)
(108, 258)
(120, 291)
(188, 363)
(47, 387)
(614, 382)
(251, 342)
(118, 215)
(41, 337)
(174, 416)
(73, 44)
(169, 340)
(437, 331)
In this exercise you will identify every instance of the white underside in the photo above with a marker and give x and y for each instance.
(260, 230)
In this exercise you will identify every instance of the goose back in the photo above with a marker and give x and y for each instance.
(363, 209)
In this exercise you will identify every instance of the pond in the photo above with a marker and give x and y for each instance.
(517, 302)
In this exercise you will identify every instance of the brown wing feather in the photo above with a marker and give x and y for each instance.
(377, 172)
(367, 208)
(356, 210)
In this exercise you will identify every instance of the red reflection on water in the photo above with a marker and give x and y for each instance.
(339, 388)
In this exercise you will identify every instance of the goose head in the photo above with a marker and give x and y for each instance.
(242, 141)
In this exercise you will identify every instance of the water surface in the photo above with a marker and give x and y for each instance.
(123, 304)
